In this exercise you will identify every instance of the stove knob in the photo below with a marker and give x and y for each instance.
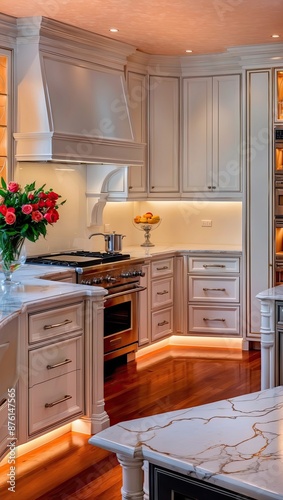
(97, 281)
(110, 279)
(125, 274)
(86, 282)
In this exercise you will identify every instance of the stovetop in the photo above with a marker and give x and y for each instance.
(78, 258)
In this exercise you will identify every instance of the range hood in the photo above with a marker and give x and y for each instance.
(71, 99)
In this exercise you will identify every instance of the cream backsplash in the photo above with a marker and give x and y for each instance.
(181, 220)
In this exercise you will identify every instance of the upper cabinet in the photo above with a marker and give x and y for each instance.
(163, 136)
(137, 98)
(212, 136)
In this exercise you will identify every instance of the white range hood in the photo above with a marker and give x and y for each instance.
(72, 103)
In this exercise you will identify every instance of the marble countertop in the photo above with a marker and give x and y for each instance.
(235, 443)
(158, 250)
(34, 288)
(275, 293)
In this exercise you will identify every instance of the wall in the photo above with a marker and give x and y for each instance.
(181, 220)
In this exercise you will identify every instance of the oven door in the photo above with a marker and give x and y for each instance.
(120, 325)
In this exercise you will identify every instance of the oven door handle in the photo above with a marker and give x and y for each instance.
(138, 288)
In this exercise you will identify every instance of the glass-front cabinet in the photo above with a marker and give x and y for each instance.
(279, 95)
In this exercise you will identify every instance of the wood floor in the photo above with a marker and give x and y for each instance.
(174, 378)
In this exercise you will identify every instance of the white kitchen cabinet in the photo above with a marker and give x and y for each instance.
(214, 295)
(212, 136)
(4, 433)
(162, 298)
(164, 113)
(137, 98)
(51, 391)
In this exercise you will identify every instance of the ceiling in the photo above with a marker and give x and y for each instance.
(166, 27)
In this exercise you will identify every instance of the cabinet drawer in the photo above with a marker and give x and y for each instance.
(57, 359)
(162, 267)
(162, 292)
(215, 320)
(54, 322)
(64, 395)
(214, 265)
(4, 433)
(212, 289)
(162, 323)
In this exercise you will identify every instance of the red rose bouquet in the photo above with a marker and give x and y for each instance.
(24, 213)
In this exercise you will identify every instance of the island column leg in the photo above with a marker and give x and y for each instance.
(132, 478)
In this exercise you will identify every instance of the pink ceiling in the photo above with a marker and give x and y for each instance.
(166, 27)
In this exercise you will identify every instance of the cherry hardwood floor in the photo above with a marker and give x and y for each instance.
(173, 378)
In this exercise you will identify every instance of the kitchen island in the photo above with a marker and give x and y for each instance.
(271, 302)
(232, 447)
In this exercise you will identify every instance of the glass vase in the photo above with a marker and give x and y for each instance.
(12, 257)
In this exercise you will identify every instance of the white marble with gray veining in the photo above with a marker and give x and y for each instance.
(235, 443)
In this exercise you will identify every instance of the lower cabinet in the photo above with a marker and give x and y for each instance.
(162, 298)
(55, 384)
(51, 385)
(4, 433)
(165, 485)
(214, 295)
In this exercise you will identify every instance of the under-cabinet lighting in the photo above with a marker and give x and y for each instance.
(189, 51)
(114, 30)
(64, 169)
(275, 36)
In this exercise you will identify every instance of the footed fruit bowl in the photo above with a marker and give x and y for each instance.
(147, 223)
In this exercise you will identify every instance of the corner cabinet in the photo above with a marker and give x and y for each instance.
(212, 136)
(164, 118)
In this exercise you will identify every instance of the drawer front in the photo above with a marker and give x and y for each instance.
(211, 289)
(215, 265)
(162, 267)
(162, 323)
(4, 433)
(162, 292)
(57, 359)
(214, 320)
(55, 401)
(55, 322)
(112, 342)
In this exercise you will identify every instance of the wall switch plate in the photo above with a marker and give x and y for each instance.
(206, 223)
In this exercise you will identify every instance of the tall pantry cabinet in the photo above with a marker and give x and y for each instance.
(258, 150)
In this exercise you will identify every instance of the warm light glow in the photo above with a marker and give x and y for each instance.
(189, 51)
(275, 36)
(114, 30)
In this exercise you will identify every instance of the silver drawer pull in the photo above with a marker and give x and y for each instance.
(114, 341)
(214, 289)
(163, 323)
(49, 367)
(213, 319)
(65, 398)
(213, 265)
(162, 293)
(56, 325)
(162, 268)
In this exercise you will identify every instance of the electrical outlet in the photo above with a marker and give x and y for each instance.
(206, 223)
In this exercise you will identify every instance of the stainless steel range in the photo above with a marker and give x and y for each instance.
(120, 276)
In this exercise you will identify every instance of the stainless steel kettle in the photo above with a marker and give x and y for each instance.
(113, 241)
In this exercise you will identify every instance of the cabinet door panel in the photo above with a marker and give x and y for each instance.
(214, 289)
(64, 397)
(214, 320)
(197, 160)
(162, 292)
(226, 133)
(162, 323)
(57, 359)
(55, 322)
(164, 135)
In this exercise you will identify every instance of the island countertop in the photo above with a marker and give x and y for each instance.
(235, 444)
